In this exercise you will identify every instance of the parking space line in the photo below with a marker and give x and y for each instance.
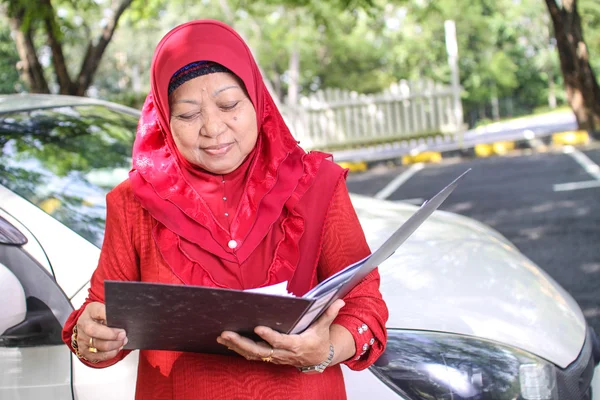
(399, 181)
(587, 164)
(563, 187)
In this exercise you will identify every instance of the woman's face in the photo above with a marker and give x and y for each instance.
(213, 122)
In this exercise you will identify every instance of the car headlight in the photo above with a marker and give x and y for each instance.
(429, 365)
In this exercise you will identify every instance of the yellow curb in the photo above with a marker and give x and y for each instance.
(425, 157)
(571, 138)
(498, 148)
(360, 166)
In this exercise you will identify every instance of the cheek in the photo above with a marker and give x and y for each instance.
(244, 126)
(249, 139)
(183, 134)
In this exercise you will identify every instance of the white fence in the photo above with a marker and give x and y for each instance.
(334, 118)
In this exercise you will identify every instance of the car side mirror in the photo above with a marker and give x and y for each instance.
(13, 300)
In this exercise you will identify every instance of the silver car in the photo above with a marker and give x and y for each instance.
(470, 316)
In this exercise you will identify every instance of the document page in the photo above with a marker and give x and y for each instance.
(339, 284)
(278, 289)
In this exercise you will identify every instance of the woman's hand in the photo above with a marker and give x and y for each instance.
(308, 348)
(107, 341)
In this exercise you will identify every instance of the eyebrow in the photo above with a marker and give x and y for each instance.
(215, 93)
(218, 91)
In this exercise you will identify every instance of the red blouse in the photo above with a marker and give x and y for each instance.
(130, 253)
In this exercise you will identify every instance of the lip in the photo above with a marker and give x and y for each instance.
(218, 149)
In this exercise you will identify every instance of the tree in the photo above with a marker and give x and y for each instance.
(32, 18)
(583, 92)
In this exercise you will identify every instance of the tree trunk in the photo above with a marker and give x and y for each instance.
(58, 59)
(583, 92)
(94, 52)
(552, 102)
(29, 66)
(495, 106)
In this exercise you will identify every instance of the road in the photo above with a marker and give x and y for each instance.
(547, 204)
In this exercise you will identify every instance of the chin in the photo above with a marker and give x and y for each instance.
(219, 169)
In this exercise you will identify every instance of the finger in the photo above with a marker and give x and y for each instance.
(330, 314)
(278, 340)
(244, 346)
(101, 356)
(83, 341)
(234, 348)
(96, 311)
(94, 329)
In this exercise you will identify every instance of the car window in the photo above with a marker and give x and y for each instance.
(65, 160)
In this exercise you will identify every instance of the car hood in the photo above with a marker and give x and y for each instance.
(459, 276)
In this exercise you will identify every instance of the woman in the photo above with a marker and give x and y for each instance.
(221, 195)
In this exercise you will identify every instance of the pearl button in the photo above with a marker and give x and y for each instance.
(224, 198)
(227, 215)
(223, 181)
(232, 244)
(371, 341)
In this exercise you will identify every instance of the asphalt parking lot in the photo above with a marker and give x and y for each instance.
(547, 204)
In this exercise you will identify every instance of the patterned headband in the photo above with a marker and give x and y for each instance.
(194, 70)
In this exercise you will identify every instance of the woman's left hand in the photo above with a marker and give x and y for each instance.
(311, 347)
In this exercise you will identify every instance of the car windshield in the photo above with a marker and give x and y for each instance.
(64, 160)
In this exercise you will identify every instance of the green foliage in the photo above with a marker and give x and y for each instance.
(589, 10)
(9, 76)
(505, 46)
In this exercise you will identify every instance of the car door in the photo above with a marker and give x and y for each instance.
(34, 361)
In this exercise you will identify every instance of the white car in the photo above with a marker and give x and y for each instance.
(470, 316)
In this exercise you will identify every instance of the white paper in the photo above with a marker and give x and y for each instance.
(278, 289)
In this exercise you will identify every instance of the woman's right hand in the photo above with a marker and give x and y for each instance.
(108, 341)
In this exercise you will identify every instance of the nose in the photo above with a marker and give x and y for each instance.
(213, 124)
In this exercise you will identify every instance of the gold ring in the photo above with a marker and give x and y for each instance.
(268, 358)
(91, 347)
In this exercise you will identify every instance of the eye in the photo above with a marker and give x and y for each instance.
(229, 106)
(187, 116)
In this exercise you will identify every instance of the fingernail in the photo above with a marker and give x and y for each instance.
(126, 341)
(121, 335)
(219, 340)
(121, 348)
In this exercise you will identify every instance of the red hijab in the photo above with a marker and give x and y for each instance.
(196, 247)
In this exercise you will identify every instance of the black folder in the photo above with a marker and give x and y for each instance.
(190, 318)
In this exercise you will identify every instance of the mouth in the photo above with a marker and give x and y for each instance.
(218, 149)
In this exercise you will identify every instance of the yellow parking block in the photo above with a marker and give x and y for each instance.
(497, 148)
(425, 157)
(484, 150)
(360, 166)
(501, 148)
(572, 138)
